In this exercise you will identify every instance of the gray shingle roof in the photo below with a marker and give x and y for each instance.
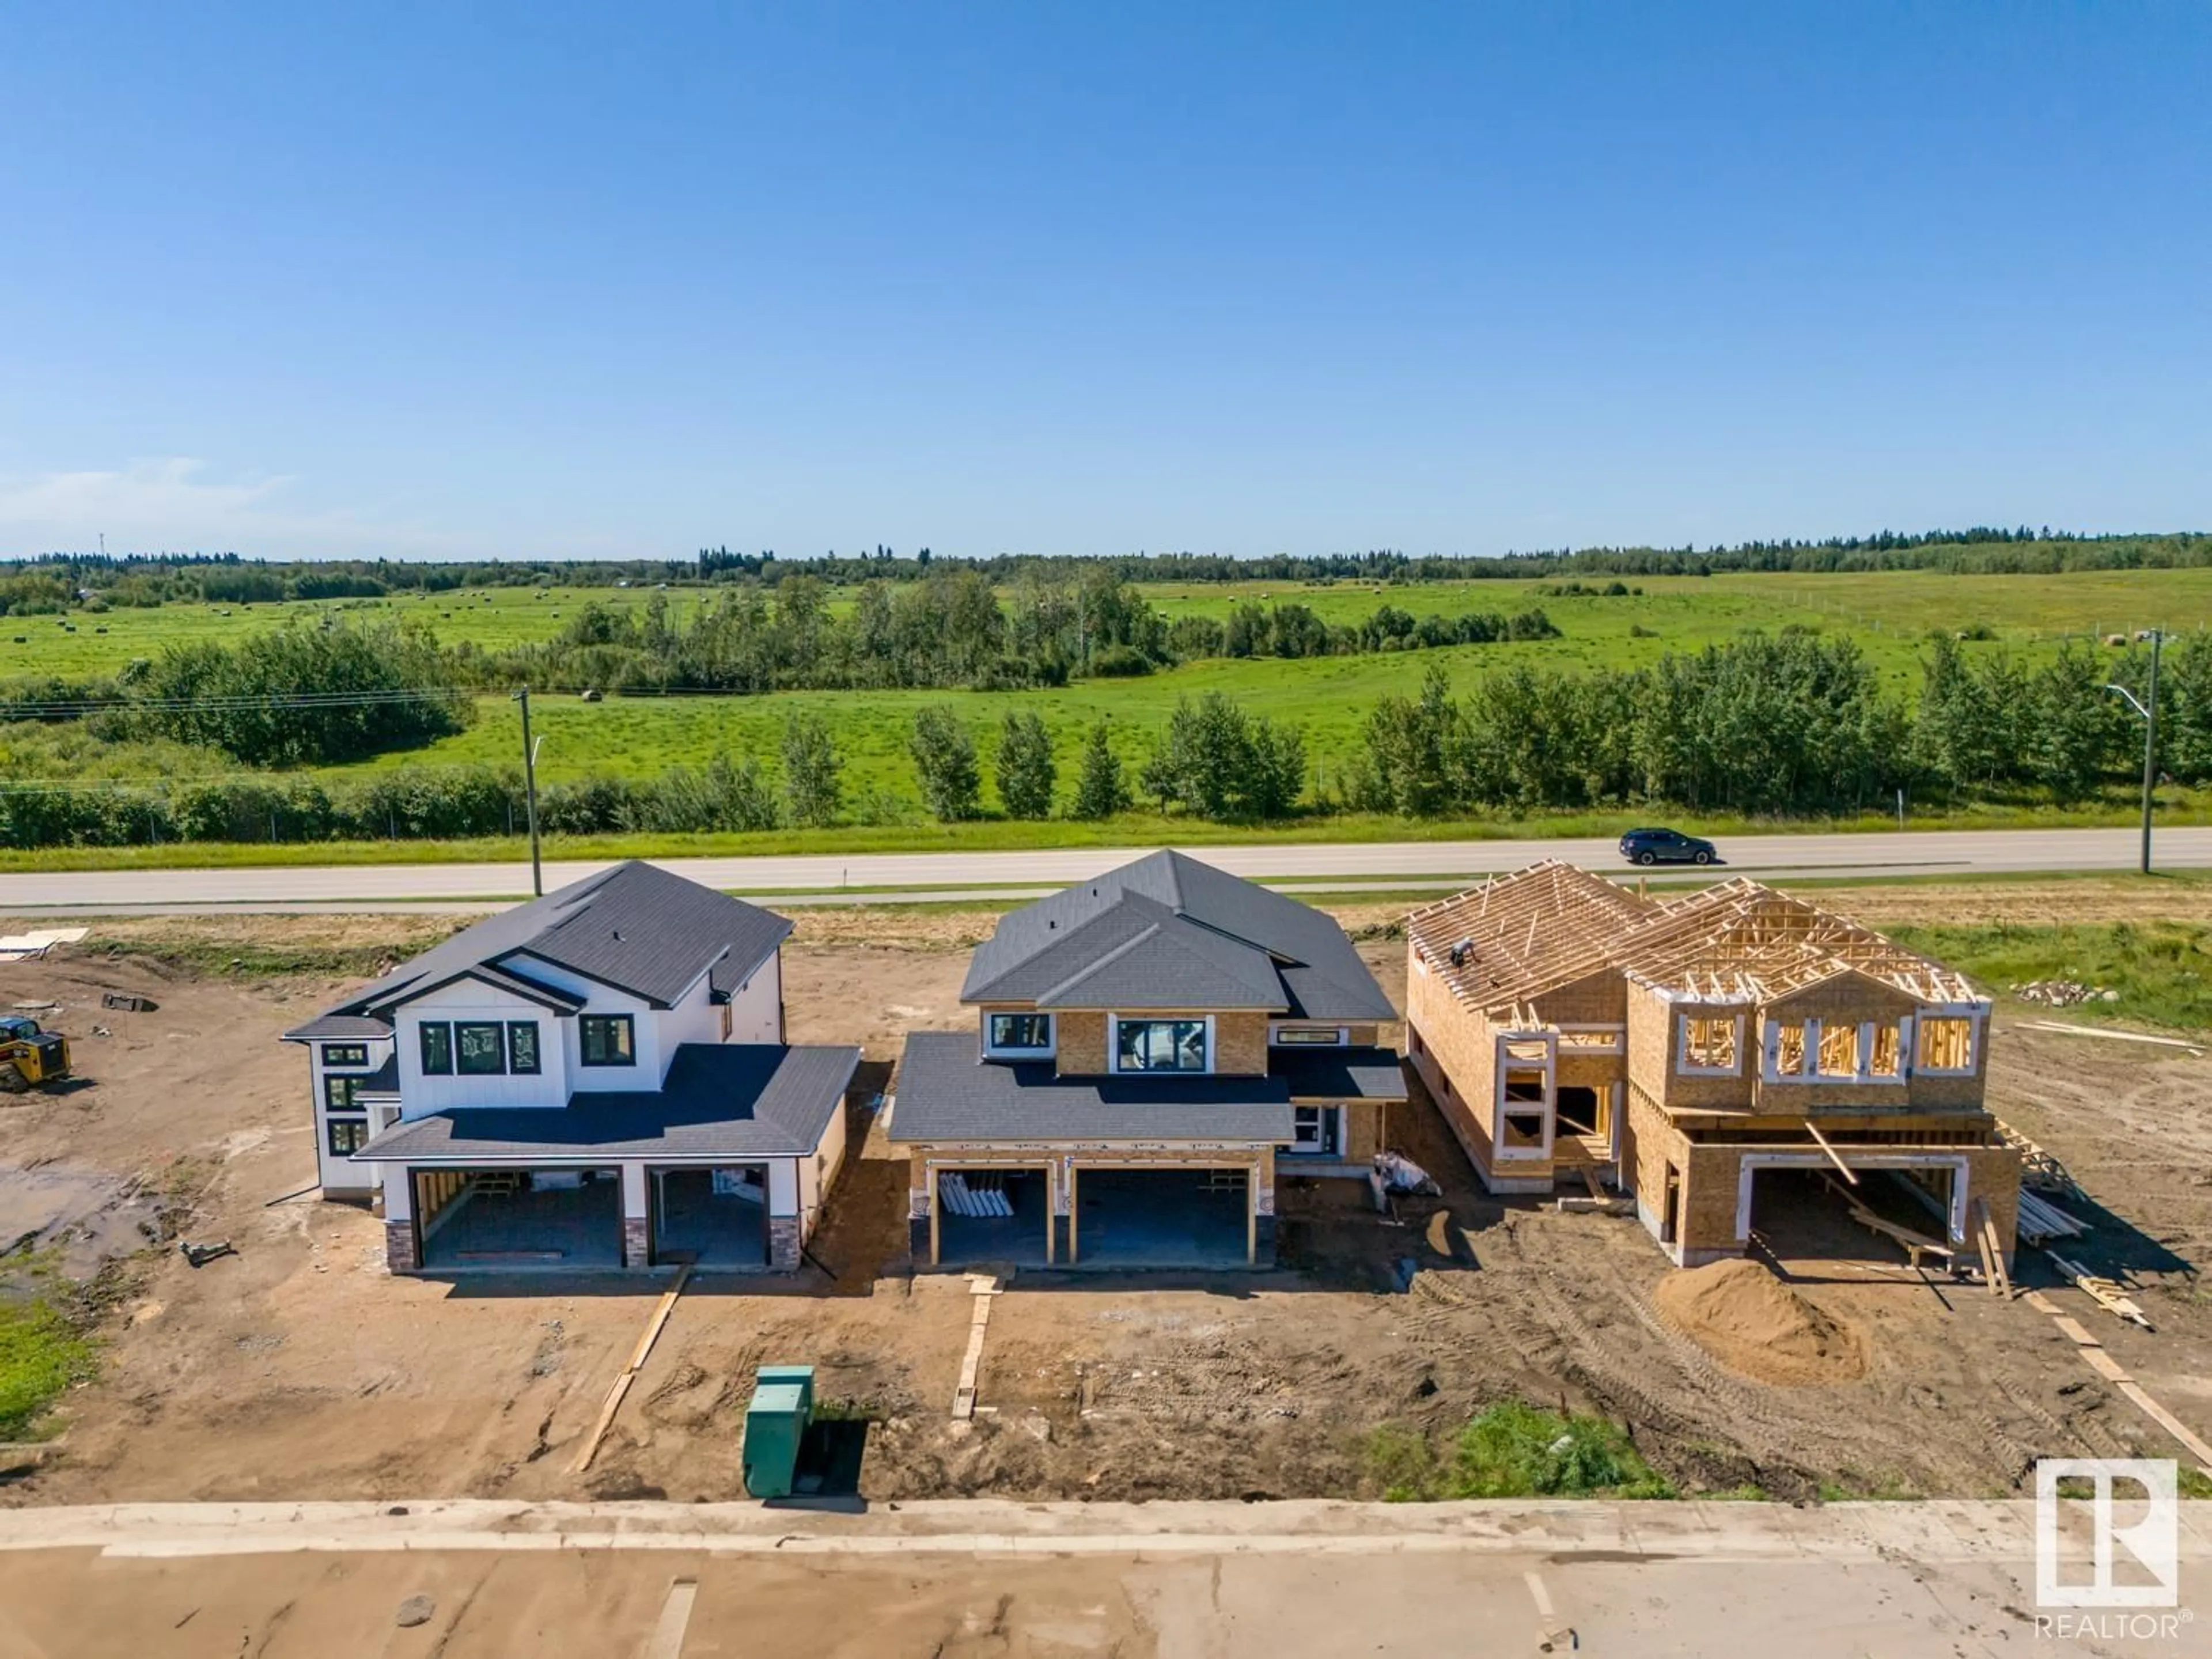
(1339, 1074)
(325, 1027)
(1191, 936)
(635, 927)
(723, 1100)
(946, 1092)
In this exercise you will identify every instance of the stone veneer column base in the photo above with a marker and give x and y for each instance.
(637, 1246)
(399, 1256)
(783, 1243)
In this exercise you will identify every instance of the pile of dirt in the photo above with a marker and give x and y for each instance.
(1757, 1326)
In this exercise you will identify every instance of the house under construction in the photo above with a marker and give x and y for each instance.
(1700, 1051)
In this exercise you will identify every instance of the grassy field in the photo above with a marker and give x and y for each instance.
(1892, 610)
(1890, 614)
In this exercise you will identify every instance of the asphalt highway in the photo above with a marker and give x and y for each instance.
(1375, 865)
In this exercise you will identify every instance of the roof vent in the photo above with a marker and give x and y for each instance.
(618, 936)
(1459, 953)
(1050, 925)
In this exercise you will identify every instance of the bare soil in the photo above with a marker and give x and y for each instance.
(298, 1368)
(1757, 1326)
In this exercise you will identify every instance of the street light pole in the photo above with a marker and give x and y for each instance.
(530, 794)
(2148, 710)
(2150, 745)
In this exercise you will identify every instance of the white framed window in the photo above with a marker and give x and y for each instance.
(1022, 1036)
(1309, 1037)
(1786, 1050)
(1179, 1043)
(1708, 1045)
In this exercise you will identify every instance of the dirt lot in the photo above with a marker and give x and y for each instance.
(300, 1368)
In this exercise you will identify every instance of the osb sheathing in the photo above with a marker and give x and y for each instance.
(1460, 1063)
(1240, 1044)
(1082, 1034)
(1652, 1041)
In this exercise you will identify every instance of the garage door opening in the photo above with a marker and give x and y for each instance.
(493, 1220)
(711, 1218)
(993, 1216)
(1162, 1217)
(1806, 1215)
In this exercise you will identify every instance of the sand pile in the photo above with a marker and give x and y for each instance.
(1757, 1326)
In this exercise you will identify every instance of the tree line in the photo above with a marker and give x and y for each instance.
(64, 581)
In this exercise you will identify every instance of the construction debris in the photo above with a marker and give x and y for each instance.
(200, 1255)
(2106, 1293)
(2062, 992)
(1402, 1174)
(29, 947)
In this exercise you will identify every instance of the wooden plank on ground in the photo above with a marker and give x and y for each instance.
(2105, 1365)
(613, 1402)
(985, 1291)
(1589, 1179)
(1985, 1233)
(2173, 1424)
(2040, 1302)
(2073, 1330)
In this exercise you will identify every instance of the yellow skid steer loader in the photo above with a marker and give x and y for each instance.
(29, 1058)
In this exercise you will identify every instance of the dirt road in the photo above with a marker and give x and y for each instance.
(300, 1368)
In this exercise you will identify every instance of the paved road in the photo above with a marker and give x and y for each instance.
(1226, 1580)
(1401, 864)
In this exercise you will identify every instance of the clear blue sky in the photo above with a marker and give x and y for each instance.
(479, 280)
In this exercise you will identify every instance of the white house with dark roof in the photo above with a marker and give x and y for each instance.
(1151, 1047)
(597, 1078)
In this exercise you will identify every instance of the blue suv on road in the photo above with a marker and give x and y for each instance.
(1665, 847)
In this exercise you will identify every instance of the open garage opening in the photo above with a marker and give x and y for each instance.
(508, 1220)
(995, 1216)
(1171, 1218)
(711, 1218)
(1813, 1216)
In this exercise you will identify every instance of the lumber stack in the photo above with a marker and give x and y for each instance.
(976, 1193)
(2040, 1220)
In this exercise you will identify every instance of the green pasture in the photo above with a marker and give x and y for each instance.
(1890, 611)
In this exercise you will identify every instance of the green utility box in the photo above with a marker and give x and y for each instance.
(782, 1406)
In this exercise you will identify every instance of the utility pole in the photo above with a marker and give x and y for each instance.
(530, 794)
(2150, 743)
(2147, 708)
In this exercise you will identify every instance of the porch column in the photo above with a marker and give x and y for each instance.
(1260, 1250)
(402, 1255)
(637, 1217)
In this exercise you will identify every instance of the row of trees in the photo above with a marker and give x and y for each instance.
(950, 629)
(136, 579)
(1792, 723)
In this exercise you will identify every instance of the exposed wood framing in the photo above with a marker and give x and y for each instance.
(1502, 944)
(1834, 1157)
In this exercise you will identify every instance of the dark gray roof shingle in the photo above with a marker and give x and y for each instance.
(946, 1092)
(324, 1027)
(1195, 937)
(722, 1100)
(635, 927)
(1339, 1074)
